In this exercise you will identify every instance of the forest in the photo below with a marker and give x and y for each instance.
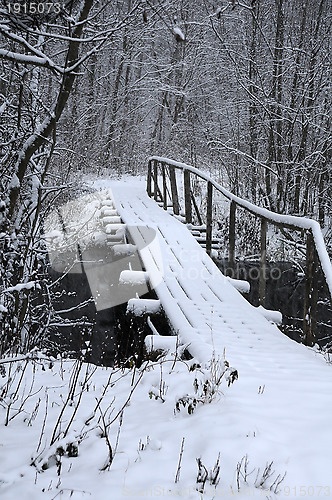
(165, 249)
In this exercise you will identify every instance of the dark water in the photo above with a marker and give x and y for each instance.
(105, 337)
(77, 324)
(285, 292)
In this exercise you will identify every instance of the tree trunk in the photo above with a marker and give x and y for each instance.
(37, 139)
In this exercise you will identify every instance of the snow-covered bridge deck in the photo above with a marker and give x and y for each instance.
(203, 306)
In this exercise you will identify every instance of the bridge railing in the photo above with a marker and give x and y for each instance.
(163, 170)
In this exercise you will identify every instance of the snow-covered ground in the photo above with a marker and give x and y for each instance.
(173, 429)
(272, 413)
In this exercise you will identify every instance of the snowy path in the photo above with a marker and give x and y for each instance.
(210, 314)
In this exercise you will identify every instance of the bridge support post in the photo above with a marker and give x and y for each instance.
(262, 271)
(187, 196)
(155, 180)
(163, 171)
(174, 190)
(231, 240)
(149, 180)
(209, 219)
(310, 294)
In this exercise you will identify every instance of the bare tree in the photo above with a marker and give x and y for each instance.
(42, 55)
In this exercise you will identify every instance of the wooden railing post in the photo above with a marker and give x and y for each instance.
(174, 190)
(163, 171)
(262, 271)
(155, 180)
(310, 293)
(187, 196)
(209, 218)
(149, 179)
(231, 240)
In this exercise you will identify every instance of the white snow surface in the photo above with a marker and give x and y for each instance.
(278, 410)
(124, 249)
(3, 107)
(273, 316)
(165, 343)
(179, 33)
(133, 278)
(21, 286)
(240, 285)
(139, 307)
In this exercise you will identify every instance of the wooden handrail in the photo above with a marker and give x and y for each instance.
(316, 250)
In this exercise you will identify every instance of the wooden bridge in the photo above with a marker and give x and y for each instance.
(141, 244)
(199, 301)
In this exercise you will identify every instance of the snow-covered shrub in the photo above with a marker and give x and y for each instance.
(266, 478)
(204, 475)
(207, 385)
